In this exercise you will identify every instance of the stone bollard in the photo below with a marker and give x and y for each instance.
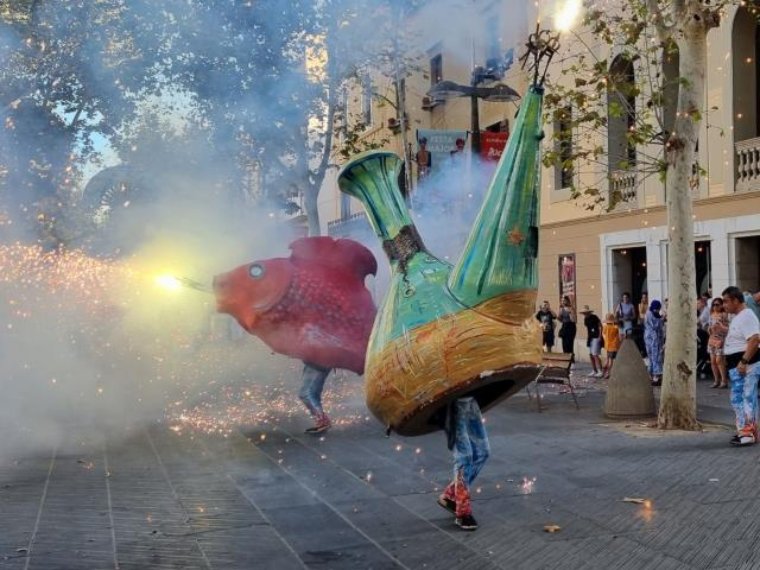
(630, 393)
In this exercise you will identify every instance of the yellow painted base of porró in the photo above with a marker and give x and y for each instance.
(490, 351)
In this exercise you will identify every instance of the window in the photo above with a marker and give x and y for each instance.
(745, 51)
(401, 88)
(621, 114)
(436, 69)
(500, 127)
(366, 100)
(563, 141)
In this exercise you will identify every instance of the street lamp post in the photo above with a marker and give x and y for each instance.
(475, 123)
(500, 92)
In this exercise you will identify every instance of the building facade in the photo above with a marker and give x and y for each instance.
(601, 254)
(597, 254)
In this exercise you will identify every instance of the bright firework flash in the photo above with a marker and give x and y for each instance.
(173, 283)
(128, 333)
(118, 316)
(265, 399)
(566, 14)
(95, 339)
(527, 486)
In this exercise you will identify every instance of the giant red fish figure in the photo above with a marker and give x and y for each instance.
(312, 306)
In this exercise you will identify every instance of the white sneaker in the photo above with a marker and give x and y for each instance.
(591, 374)
(598, 374)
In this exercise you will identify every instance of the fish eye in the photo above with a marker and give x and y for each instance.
(256, 271)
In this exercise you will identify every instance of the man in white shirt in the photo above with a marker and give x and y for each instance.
(743, 363)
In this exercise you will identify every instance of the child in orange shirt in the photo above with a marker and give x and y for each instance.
(611, 339)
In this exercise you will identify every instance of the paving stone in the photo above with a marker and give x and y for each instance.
(356, 499)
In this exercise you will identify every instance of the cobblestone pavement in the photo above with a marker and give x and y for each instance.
(270, 497)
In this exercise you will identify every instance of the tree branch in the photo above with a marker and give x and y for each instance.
(663, 30)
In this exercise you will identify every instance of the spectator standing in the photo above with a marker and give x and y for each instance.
(654, 339)
(718, 330)
(546, 317)
(638, 328)
(643, 307)
(703, 312)
(625, 313)
(752, 300)
(611, 340)
(458, 152)
(424, 159)
(741, 354)
(593, 340)
(568, 329)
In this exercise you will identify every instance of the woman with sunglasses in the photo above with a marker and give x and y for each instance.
(718, 328)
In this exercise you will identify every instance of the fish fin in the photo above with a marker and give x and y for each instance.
(341, 254)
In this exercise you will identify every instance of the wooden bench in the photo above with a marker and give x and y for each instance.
(555, 370)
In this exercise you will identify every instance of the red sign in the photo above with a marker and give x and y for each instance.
(492, 145)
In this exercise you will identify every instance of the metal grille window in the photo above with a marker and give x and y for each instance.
(367, 100)
(436, 69)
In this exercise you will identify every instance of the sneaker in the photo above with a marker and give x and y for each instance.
(598, 374)
(448, 504)
(323, 424)
(742, 440)
(467, 522)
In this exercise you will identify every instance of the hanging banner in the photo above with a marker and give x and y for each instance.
(567, 276)
(438, 150)
(492, 145)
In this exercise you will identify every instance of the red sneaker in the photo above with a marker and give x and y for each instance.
(322, 425)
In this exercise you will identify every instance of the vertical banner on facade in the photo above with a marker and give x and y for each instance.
(438, 150)
(492, 145)
(567, 276)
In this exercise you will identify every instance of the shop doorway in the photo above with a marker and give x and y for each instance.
(629, 273)
(747, 263)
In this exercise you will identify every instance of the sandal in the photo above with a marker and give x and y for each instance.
(723, 386)
(715, 385)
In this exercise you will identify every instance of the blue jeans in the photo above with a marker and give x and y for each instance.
(313, 383)
(471, 448)
(744, 398)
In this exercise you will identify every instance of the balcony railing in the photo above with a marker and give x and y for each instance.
(748, 165)
(353, 225)
(623, 189)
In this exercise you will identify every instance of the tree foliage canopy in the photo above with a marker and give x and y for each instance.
(244, 90)
(624, 66)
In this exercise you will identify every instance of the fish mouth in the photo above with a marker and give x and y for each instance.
(219, 287)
